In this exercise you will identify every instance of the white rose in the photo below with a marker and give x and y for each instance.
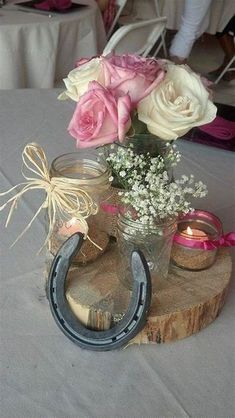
(79, 78)
(177, 104)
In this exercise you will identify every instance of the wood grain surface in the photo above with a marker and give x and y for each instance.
(185, 302)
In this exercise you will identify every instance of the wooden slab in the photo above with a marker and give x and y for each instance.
(185, 302)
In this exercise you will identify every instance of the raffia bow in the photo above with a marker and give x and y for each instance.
(63, 196)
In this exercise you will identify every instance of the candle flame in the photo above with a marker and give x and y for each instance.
(189, 230)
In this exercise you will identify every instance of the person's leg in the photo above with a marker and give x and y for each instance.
(226, 41)
(194, 13)
(227, 44)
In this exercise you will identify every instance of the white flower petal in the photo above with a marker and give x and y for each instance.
(179, 103)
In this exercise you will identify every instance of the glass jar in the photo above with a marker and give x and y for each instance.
(89, 172)
(155, 243)
(143, 143)
(147, 142)
(193, 247)
(140, 144)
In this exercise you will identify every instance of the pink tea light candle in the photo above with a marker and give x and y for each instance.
(196, 242)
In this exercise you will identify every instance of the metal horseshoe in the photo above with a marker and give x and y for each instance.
(130, 325)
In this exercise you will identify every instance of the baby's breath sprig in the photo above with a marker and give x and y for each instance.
(147, 186)
(128, 166)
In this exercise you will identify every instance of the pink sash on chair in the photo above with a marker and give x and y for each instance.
(220, 128)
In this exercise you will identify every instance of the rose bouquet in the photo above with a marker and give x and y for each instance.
(119, 95)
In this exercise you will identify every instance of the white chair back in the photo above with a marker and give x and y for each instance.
(120, 4)
(139, 38)
(157, 8)
(226, 69)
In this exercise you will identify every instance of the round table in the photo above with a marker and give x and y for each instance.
(43, 374)
(37, 50)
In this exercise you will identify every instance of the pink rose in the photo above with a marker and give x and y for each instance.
(100, 118)
(131, 74)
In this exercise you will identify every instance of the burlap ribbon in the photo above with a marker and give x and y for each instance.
(64, 197)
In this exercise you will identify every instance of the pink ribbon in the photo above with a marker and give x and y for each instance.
(115, 209)
(227, 240)
(111, 209)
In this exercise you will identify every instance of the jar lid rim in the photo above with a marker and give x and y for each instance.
(103, 170)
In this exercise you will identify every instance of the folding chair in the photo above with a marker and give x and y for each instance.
(139, 38)
(226, 69)
(158, 13)
(120, 4)
(126, 20)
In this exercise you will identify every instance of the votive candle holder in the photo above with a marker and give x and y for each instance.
(193, 247)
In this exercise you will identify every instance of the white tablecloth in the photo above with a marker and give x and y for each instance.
(36, 51)
(45, 375)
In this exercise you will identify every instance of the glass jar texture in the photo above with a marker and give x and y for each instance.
(89, 172)
(192, 259)
(147, 142)
(155, 243)
(187, 252)
(86, 168)
(142, 144)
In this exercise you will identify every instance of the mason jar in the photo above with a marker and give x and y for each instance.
(141, 143)
(193, 247)
(154, 241)
(144, 143)
(89, 172)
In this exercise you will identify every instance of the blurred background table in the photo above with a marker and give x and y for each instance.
(216, 19)
(36, 50)
(43, 374)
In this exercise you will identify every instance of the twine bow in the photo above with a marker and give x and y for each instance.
(64, 198)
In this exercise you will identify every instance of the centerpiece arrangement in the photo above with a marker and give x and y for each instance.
(120, 182)
(133, 108)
